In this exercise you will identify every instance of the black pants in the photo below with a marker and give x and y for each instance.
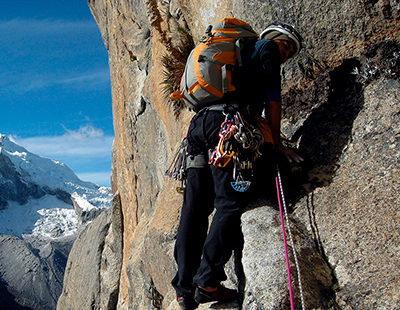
(199, 253)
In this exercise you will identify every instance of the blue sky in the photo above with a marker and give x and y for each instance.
(55, 96)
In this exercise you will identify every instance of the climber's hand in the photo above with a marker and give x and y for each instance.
(289, 154)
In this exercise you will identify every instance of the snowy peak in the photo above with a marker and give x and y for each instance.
(43, 197)
(39, 170)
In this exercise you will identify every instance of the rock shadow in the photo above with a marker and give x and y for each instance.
(321, 139)
(7, 300)
(325, 133)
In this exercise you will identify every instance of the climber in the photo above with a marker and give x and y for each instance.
(201, 253)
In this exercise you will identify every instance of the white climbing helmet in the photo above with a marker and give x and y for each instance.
(280, 31)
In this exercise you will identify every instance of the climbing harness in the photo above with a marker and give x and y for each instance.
(177, 168)
(281, 202)
(239, 142)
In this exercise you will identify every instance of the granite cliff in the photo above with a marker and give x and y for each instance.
(341, 110)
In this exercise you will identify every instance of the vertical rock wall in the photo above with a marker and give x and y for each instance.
(341, 108)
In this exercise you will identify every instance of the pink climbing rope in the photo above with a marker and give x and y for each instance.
(285, 244)
(281, 201)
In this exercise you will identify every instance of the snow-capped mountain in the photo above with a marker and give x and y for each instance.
(43, 206)
(43, 197)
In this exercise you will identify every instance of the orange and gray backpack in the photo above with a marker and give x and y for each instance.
(208, 71)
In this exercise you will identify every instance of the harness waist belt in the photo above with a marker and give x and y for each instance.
(196, 161)
(221, 107)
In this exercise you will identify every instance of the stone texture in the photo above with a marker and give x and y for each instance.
(355, 219)
(264, 264)
(31, 278)
(341, 110)
(92, 273)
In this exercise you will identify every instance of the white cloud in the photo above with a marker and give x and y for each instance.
(87, 151)
(97, 77)
(86, 141)
(84, 133)
(33, 82)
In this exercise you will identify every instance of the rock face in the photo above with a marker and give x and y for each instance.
(92, 282)
(31, 278)
(341, 110)
(355, 219)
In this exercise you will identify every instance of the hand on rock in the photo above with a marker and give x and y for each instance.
(289, 154)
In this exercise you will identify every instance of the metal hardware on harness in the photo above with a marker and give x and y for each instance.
(248, 136)
(177, 168)
(240, 184)
(243, 135)
(243, 149)
(223, 152)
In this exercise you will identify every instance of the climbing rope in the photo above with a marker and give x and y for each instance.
(281, 201)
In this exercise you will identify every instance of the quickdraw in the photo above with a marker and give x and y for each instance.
(248, 136)
(177, 168)
(223, 152)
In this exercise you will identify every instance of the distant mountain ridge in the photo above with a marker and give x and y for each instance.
(26, 177)
(43, 206)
